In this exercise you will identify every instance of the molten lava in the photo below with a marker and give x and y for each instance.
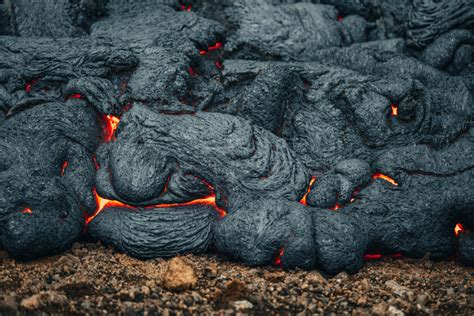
(103, 203)
(75, 96)
(384, 177)
(394, 109)
(458, 229)
(279, 256)
(111, 123)
(30, 84)
(186, 7)
(192, 73)
(303, 199)
(377, 256)
(27, 210)
(63, 167)
(214, 47)
(335, 207)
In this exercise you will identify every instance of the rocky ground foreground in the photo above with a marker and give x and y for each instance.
(94, 279)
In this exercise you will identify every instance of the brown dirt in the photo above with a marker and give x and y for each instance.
(94, 279)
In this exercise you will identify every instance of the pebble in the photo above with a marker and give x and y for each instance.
(179, 276)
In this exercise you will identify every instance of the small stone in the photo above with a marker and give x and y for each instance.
(8, 303)
(362, 301)
(86, 305)
(242, 305)
(400, 290)
(179, 276)
(44, 299)
(145, 290)
(315, 278)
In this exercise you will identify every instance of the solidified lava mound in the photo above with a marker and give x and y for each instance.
(299, 133)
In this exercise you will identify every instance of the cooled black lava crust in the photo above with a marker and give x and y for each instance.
(303, 132)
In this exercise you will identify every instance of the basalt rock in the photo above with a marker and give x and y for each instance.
(301, 133)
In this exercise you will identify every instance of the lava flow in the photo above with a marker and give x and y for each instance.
(111, 123)
(377, 256)
(30, 84)
(103, 203)
(279, 256)
(384, 177)
(305, 196)
(63, 167)
(27, 210)
(458, 229)
(394, 109)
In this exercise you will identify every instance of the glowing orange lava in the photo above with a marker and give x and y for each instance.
(303, 199)
(63, 167)
(214, 47)
(27, 210)
(458, 229)
(377, 256)
(186, 7)
(335, 207)
(103, 203)
(111, 124)
(76, 96)
(394, 108)
(279, 256)
(192, 73)
(30, 84)
(384, 177)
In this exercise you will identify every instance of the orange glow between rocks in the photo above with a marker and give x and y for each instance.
(335, 207)
(103, 203)
(75, 96)
(27, 210)
(377, 256)
(111, 124)
(303, 199)
(186, 7)
(30, 84)
(279, 256)
(214, 47)
(394, 108)
(384, 177)
(458, 229)
(63, 167)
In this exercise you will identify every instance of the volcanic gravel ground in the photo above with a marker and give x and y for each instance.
(94, 279)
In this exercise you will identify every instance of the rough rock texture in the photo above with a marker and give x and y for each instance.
(302, 133)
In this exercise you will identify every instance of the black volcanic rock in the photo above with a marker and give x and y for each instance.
(302, 133)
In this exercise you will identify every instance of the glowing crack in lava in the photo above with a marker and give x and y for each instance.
(335, 207)
(384, 177)
(111, 123)
(458, 229)
(214, 47)
(103, 203)
(377, 256)
(303, 199)
(394, 109)
(30, 84)
(63, 167)
(27, 210)
(279, 256)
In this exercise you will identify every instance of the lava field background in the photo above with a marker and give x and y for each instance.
(300, 139)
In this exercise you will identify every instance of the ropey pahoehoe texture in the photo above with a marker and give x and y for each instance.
(303, 132)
